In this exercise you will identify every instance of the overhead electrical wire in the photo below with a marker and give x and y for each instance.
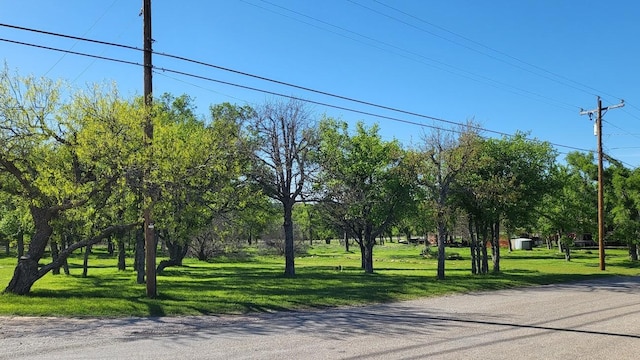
(502, 53)
(129, 47)
(362, 102)
(441, 65)
(252, 88)
(488, 81)
(619, 128)
(162, 69)
(566, 81)
(234, 71)
(254, 76)
(85, 33)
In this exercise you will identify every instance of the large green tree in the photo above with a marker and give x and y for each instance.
(569, 207)
(49, 164)
(509, 179)
(364, 182)
(199, 168)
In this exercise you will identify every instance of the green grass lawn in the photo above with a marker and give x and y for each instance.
(255, 283)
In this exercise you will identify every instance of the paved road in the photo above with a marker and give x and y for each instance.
(587, 320)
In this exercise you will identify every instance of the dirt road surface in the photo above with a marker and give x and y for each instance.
(597, 319)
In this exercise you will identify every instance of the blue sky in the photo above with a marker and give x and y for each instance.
(511, 65)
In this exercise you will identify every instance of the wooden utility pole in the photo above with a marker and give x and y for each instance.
(598, 129)
(149, 233)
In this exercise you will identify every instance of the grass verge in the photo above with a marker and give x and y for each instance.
(327, 276)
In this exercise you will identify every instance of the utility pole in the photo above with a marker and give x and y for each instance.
(598, 129)
(149, 232)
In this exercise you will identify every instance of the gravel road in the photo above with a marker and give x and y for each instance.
(597, 319)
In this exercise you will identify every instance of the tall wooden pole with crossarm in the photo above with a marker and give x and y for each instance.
(598, 128)
(149, 233)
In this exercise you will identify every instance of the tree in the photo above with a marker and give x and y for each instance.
(442, 158)
(14, 222)
(257, 216)
(623, 196)
(49, 165)
(364, 182)
(199, 167)
(568, 207)
(283, 140)
(510, 176)
(311, 223)
(522, 174)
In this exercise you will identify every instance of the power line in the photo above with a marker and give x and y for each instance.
(86, 32)
(488, 81)
(216, 67)
(70, 52)
(202, 63)
(478, 128)
(566, 79)
(225, 69)
(198, 86)
(443, 66)
(621, 129)
(124, 30)
(177, 57)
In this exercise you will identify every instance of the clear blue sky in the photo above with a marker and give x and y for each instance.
(526, 65)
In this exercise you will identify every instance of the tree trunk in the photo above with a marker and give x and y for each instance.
(495, 246)
(20, 244)
(139, 258)
(122, 254)
(407, 234)
(485, 258)
(85, 262)
(65, 263)
(289, 256)
(346, 242)
(7, 248)
(24, 275)
(477, 248)
(26, 272)
(54, 255)
(472, 245)
(110, 248)
(362, 255)
(177, 252)
(633, 252)
(368, 256)
(442, 237)
(310, 231)
(560, 245)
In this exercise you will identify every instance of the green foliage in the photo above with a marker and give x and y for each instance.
(622, 197)
(366, 185)
(515, 176)
(197, 168)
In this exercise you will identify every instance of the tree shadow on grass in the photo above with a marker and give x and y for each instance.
(239, 289)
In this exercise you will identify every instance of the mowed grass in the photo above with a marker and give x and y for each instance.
(326, 276)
